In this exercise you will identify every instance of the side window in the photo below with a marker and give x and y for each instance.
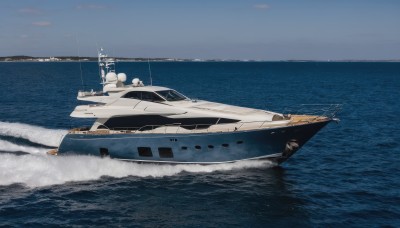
(145, 152)
(145, 96)
(149, 96)
(165, 152)
(133, 95)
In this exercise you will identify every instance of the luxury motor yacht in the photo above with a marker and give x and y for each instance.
(146, 123)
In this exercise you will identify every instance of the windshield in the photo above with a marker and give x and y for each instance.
(171, 95)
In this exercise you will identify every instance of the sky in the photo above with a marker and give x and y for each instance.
(206, 29)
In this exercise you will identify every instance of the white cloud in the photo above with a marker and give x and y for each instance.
(23, 36)
(261, 6)
(29, 11)
(41, 23)
(91, 7)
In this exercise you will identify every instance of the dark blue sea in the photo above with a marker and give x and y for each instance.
(347, 175)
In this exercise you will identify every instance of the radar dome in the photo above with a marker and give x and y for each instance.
(108, 87)
(111, 77)
(135, 82)
(121, 77)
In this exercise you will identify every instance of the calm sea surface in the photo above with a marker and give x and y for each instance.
(347, 175)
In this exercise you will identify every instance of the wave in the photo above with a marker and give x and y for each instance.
(11, 147)
(35, 134)
(45, 170)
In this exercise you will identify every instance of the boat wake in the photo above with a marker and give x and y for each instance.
(37, 169)
(7, 146)
(45, 170)
(35, 134)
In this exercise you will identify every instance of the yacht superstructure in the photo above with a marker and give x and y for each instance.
(158, 124)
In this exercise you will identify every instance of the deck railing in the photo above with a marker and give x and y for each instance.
(306, 113)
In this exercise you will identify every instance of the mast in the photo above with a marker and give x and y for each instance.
(106, 65)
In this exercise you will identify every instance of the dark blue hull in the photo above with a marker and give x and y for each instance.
(276, 144)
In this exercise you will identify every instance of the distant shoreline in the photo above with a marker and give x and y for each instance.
(123, 59)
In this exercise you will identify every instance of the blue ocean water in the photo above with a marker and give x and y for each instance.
(347, 175)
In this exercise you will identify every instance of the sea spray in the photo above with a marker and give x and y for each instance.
(39, 170)
(11, 147)
(36, 134)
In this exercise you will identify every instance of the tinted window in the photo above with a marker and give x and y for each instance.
(165, 152)
(171, 95)
(149, 96)
(104, 152)
(133, 95)
(145, 152)
(145, 96)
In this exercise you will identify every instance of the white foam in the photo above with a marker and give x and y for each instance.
(40, 170)
(11, 147)
(36, 134)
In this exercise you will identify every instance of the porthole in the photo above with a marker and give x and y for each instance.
(197, 147)
(210, 147)
(184, 148)
(225, 145)
(239, 142)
